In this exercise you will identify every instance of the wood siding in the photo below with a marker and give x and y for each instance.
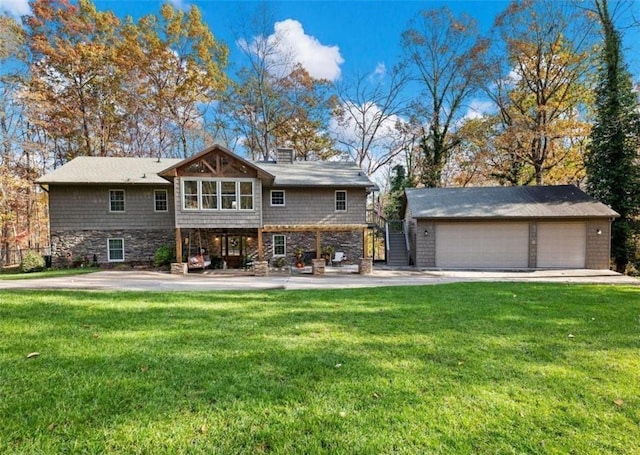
(87, 207)
(314, 206)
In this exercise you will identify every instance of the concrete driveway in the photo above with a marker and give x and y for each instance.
(335, 278)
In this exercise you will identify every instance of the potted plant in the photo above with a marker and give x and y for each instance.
(327, 252)
(299, 255)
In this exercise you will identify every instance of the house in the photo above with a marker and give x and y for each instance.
(231, 209)
(531, 227)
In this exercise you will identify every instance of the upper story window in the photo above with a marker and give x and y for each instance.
(212, 194)
(341, 201)
(160, 201)
(277, 198)
(116, 200)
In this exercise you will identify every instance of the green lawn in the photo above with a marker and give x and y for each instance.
(15, 274)
(459, 368)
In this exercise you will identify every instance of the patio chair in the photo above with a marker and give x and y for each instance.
(338, 258)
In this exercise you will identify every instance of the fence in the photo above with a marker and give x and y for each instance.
(11, 257)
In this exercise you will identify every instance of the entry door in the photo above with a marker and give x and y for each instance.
(233, 247)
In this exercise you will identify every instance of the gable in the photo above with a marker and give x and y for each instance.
(216, 162)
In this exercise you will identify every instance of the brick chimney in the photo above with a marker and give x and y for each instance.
(284, 155)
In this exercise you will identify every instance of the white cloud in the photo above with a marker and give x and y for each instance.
(15, 8)
(478, 108)
(292, 45)
(178, 4)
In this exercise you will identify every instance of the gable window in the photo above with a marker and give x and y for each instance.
(209, 195)
(246, 195)
(116, 200)
(279, 245)
(115, 250)
(190, 194)
(228, 192)
(215, 194)
(277, 198)
(161, 200)
(341, 201)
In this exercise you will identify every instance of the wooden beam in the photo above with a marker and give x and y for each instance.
(314, 228)
(365, 250)
(178, 245)
(260, 245)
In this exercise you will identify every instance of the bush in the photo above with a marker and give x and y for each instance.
(164, 256)
(32, 262)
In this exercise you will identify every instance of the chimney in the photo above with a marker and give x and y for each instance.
(284, 155)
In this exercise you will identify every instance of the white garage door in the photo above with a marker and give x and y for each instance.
(562, 245)
(482, 245)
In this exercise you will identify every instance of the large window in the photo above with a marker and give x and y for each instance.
(115, 250)
(277, 198)
(279, 245)
(160, 201)
(116, 200)
(341, 201)
(211, 194)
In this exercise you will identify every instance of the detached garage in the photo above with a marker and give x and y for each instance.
(507, 228)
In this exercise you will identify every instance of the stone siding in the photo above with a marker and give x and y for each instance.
(350, 243)
(140, 245)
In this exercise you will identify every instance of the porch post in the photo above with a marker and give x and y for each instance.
(318, 245)
(365, 250)
(178, 245)
(259, 244)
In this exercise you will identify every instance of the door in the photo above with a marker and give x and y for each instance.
(562, 245)
(482, 245)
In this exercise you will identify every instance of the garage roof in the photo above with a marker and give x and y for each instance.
(563, 201)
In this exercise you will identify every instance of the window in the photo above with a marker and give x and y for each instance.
(246, 195)
(190, 194)
(161, 201)
(209, 195)
(115, 250)
(212, 194)
(277, 198)
(116, 200)
(341, 201)
(228, 192)
(279, 245)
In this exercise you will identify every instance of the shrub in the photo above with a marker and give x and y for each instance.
(164, 256)
(32, 262)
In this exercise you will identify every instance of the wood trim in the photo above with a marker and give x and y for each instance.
(178, 245)
(315, 228)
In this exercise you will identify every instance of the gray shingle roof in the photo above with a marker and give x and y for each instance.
(93, 169)
(316, 173)
(563, 201)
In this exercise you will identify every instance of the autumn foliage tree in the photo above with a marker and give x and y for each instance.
(541, 93)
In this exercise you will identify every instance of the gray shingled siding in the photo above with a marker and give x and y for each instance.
(533, 244)
(314, 206)
(140, 245)
(86, 207)
(598, 252)
(425, 244)
(216, 219)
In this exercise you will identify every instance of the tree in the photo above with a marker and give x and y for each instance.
(613, 160)
(275, 102)
(367, 119)
(445, 53)
(542, 91)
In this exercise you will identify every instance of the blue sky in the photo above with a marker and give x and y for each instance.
(338, 38)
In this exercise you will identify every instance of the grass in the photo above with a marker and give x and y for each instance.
(15, 274)
(459, 368)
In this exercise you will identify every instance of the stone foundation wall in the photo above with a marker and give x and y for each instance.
(140, 246)
(348, 242)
